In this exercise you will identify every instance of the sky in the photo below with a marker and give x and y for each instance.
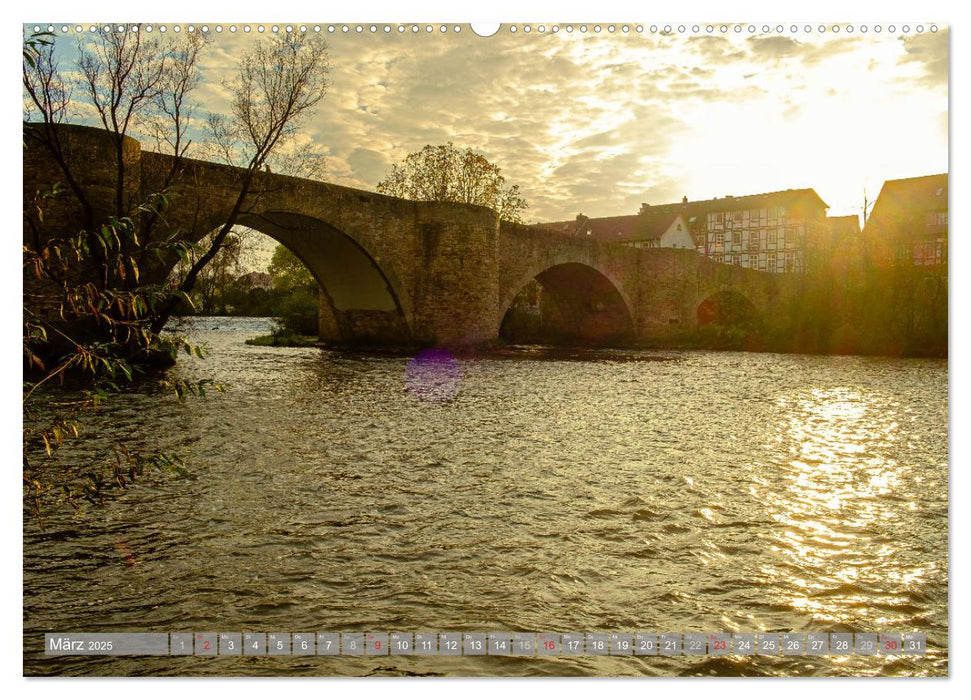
(600, 122)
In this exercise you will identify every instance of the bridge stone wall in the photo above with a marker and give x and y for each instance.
(662, 288)
(92, 153)
(436, 259)
(397, 271)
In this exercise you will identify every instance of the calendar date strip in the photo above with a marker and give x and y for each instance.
(484, 644)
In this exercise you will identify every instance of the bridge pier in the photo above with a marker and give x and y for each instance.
(457, 290)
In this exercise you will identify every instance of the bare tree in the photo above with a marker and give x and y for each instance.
(123, 75)
(130, 82)
(76, 323)
(278, 84)
(172, 110)
(47, 94)
(47, 97)
(294, 157)
(142, 84)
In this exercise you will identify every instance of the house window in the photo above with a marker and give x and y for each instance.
(719, 258)
(773, 264)
(736, 238)
(927, 254)
(719, 239)
(790, 261)
(761, 262)
(719, 217)
(736, 260)
(790, 238)
(773, 236)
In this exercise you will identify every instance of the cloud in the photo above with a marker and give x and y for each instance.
(715, 49)
(370, 166)
(773, 49)
(931, 52)
(600, 123)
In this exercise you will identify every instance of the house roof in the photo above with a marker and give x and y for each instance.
(619, 229)
(701, 208)
(909, 196)
(654, 220)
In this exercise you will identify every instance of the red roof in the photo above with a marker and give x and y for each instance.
(654, 220)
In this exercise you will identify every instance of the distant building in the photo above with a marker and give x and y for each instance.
(767, 231)
(761, 231)
(836, 247)
(909, 222)
(650, 230)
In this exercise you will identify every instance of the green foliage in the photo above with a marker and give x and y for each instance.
(286, 339)
(288, 272)
(216, 283)
(34, 45)
(296, 290)
(296, 313)
(91, 483)
(448, 174)
(244, 298)
(875, 305)
(291, 297)
(86, 335)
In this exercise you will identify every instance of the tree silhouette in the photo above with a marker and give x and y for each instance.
(448, 174)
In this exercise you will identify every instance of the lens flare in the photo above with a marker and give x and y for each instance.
(433, 375)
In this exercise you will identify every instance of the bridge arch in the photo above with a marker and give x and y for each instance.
(447, 272)
(729, 308)
(570, 303)
(361, 300)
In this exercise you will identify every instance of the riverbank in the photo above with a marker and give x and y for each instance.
(842, 341)
(287, 341)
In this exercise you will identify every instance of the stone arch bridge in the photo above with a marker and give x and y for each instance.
(396, 271)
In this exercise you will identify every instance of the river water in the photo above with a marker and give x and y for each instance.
(645, 491)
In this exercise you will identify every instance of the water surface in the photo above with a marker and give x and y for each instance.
(693, 491)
